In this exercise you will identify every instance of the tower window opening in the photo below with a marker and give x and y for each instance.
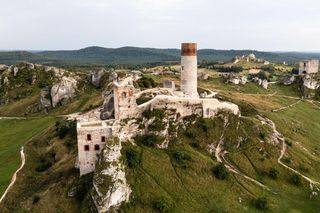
(96, 147)
(124, 95)
(86, 148)
(88, 137)
(103, 139)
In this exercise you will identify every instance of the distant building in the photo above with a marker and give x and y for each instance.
(308, 67)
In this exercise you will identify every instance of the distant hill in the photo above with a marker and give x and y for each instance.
(134, 55)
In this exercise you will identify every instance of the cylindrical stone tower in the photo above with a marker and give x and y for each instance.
(189, 70)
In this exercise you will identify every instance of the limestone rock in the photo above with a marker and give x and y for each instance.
(107, 110)
(289, 81)
(310, 82)
(15, 71)
(63, 91)
(45, 101)
(113, 76)
(110, 185)
(264, 84)
(3, 67)
(96, 75)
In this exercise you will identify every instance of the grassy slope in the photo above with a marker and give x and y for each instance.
(13, 134)
(195, 189)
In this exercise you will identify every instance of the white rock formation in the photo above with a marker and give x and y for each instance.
(64, 90)
(96, 75)
(264, 84)
(310, 82)
(110, 185)
(289, 81)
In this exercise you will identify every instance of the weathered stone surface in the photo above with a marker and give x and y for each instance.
(265, 84)
(96, 75)
(290, 80)
(310, 82)
(45, 101)
(110, 185)
(63, 91)
(3, 67)
(107, 110)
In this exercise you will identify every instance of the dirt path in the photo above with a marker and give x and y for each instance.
(14, 177)
(281, 141)
(220, 156)
(286, 107)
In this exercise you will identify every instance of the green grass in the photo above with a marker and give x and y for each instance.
(13, 134)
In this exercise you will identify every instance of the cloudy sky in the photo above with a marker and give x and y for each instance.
(277, 25)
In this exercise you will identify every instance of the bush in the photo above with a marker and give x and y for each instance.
(133, 158)
(164, 204)
(148, 140)
(145, 82)
(261, 203)
(289, 143)
(181, 156)
(35, 199)
(66, 127)
(156, 125)
(83, 186)
(220, 172)
(273, 173)
(157, 113)
(296, 180)
(46, 161)
(229, 69)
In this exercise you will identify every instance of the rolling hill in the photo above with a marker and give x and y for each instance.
(135, 55)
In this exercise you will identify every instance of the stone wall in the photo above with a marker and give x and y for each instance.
(308, 67)
(90, 143)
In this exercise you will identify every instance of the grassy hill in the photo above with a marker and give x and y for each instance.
(13, 134)
(182, 178)
(134, 55)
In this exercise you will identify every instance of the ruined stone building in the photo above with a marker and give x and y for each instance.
(308, 66)
(92, 135)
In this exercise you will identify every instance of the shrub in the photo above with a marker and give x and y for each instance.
(181, 156)
(148, 140)
(66, 127)
(46, 161)
(35, 199)
(261, 203)
(83, 186)
(289, 143)
(133, 158)
(164, 204)
(296, 180)
(220, 172)
(156, 125)
(157, 113)
(70, 143)
(273, 173)
(145, 82)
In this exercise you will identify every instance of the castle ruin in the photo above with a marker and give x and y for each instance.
(184, 102)
(308, 66)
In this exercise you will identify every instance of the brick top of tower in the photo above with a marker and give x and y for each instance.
(189, 49)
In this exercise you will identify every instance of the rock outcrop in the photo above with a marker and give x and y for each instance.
(63, 91)
(289, 80)
(311, 82)
(96, 75)
(110, 185)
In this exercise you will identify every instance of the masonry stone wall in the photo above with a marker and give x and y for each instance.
(308, 67)
(91, 137)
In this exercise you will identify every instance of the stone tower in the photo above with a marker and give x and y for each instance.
(308, 66)
(124, 101)
(189, 70)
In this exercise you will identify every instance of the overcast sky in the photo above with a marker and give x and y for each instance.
(276, 25)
